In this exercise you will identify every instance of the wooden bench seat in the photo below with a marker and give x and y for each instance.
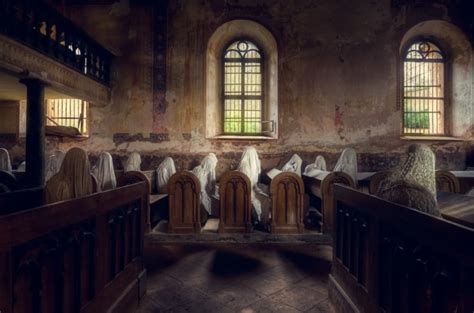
(456, 208)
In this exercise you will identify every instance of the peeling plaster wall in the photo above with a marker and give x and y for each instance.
(337, 82)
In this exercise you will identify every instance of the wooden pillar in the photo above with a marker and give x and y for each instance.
(35, 133)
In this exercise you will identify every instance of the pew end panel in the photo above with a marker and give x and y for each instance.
(184, 194)
(82, 255)
(235, 203)
(323, 189)
(134, 177)
(287, 195)
(391, 258)
(447, 182)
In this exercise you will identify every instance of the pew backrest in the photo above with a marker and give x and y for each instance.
(184, 194)
(8, 182)
(375, 181)
(323, 188)
(391, 258)
(20, 200)
(235, 203)
(80, 255)
(447, 182)
(287, 195)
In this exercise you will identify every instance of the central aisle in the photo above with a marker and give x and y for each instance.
(237, 278)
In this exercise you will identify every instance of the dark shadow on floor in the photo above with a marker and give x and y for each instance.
(307, 263)
(228, 264)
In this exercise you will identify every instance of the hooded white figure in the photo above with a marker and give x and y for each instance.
(347, 163)
(133, 162)
(206, 173)
(250, 166)
(164, 171)
(104, 172)
(21, 167)
(5, 164)
(53, 164)
(293, 166)
(316, 168)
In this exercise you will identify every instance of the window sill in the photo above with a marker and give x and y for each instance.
(243, 138)
(431, 138)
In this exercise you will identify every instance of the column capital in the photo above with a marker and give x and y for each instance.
(33, 81)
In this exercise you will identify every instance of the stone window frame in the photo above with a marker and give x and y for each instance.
(458, 50)
(218, 42)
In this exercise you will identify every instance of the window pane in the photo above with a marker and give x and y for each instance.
(242, 89)
(423, 90)
(67, 112)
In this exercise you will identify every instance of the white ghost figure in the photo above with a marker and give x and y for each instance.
(347, 163)
(164, 171)
(314, 169)
(250, 166)
(206, 173)
(53, 164)
(5, 164)
(104, 172)
(133, 162)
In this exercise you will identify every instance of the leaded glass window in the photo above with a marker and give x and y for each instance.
(423, 89)
(243, 92)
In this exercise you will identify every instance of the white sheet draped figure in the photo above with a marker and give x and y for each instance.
(314, 169)
(53, 163)
(293, 165)
(347, 163)
(164, 171)
(133, 162)
(73, 180)
(206, 173)
(5, 163)
(250, 166)
(104, 172)
(21, 167)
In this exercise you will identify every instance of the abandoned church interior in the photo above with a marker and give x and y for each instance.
(237, 156)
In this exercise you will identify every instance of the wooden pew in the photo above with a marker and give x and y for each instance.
(235, 203)
(466, 180)
(390, 258)
(287, 195)
(184, 192)
(375, 181)
(157, 202)
(320, 190)
(20, 200)
(8, 182)
(82, 255)
(447, 182)
(456, 208)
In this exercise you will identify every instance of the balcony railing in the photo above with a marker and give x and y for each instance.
(39, 26)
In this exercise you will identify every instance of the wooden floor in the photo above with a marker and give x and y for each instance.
(237, 278)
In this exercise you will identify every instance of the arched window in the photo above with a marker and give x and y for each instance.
(243, 92)
(424, 90)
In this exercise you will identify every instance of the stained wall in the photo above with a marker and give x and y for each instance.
(337, 81)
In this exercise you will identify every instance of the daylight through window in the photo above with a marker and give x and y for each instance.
(423, 90)
(243, 95)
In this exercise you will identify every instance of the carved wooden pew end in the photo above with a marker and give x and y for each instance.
(287, 195)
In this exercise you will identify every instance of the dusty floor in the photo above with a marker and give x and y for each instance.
(237, 278)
